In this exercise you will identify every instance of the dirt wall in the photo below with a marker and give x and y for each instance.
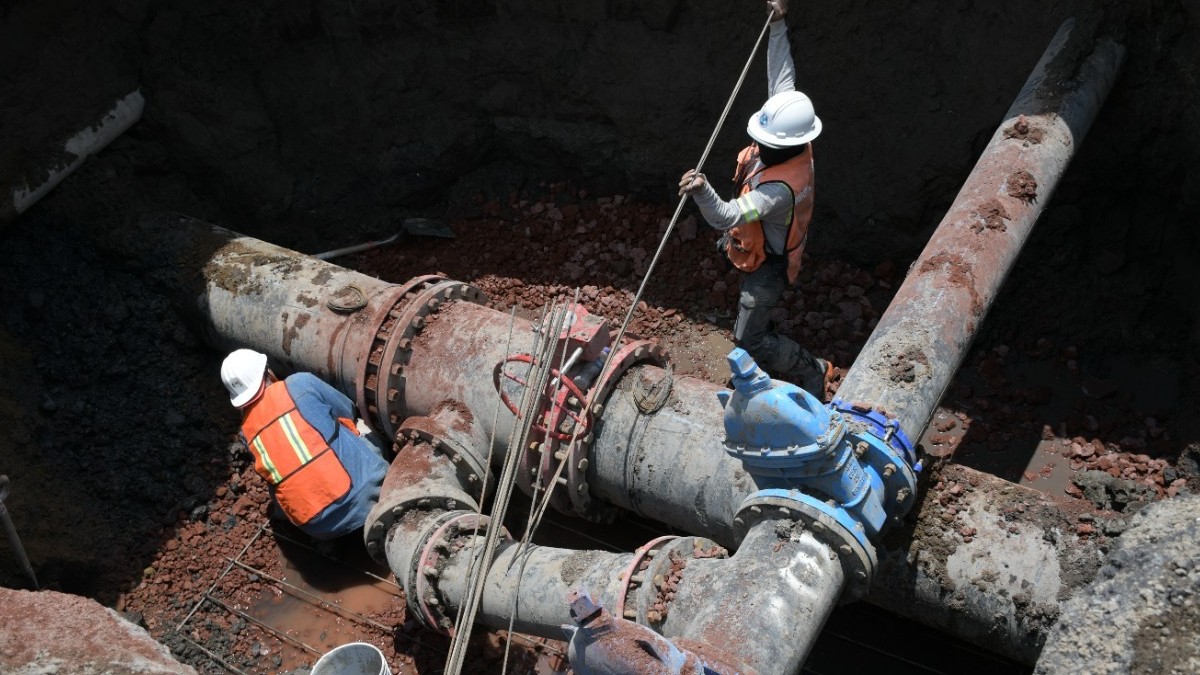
(327, 111)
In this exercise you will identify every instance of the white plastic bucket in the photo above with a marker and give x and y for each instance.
(356, 658)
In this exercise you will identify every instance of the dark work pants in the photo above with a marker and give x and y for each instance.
(777, 354)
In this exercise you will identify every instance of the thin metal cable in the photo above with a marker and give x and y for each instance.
(455, 665)
(531, 525)
(679, 209)
(542, 506)
(546, 446)
(487, 467)
(539, 375)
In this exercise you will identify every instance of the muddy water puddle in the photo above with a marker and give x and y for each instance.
(324, 602)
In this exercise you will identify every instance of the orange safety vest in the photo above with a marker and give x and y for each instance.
(745, 244)
(292, 456)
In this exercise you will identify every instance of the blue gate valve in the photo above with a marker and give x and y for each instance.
(835, 466)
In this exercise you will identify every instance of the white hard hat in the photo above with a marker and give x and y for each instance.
(786, 120)
(242, 372)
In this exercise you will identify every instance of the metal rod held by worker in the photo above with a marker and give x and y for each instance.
(10, 532)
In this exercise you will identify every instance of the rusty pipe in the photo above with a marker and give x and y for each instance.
(923, 336)
(303, 313)
(761, 609)
(635, 465)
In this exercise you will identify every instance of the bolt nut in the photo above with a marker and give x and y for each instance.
(860, 449)
(889, 470)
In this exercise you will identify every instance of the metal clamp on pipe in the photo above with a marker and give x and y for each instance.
(603, 644)
(833, 474)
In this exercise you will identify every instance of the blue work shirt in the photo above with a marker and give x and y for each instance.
(321, 405)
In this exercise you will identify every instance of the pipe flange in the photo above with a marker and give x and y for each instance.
(899, 481)
(405, 491)
(368, 371)
(633, 353)
(423, 429)
(434, 556)
(656, 574)
(384, 517)
(408, 323)
(830, 525)
(881, 426)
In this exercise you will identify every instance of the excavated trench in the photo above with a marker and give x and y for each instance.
(548, 134)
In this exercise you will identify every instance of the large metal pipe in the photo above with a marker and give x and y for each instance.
(636, 458)
(920, 341)
(405, 350)
(74, 151)
(760, 610)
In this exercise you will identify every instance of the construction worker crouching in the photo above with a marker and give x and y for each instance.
(766, 226)
(322, 473)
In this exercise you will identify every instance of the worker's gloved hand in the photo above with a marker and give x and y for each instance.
(692, 182)
(778, 9)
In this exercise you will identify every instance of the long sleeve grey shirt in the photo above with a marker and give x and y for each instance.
(773, 201)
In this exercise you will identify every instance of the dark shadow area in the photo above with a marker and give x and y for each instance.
(114, 434)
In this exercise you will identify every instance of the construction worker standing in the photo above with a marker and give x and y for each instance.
(766, 226)
(324, 475)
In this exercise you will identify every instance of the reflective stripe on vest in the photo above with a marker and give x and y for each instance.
(746, 244)
(293, 456)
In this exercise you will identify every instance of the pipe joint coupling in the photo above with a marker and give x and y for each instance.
(441, 538)
(885, 452)
(648, 585)
(423, 478)
(829, 524)
(603, 644)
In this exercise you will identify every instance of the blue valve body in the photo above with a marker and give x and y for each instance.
(789, 440)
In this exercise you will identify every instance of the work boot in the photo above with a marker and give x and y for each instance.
(816, 380)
